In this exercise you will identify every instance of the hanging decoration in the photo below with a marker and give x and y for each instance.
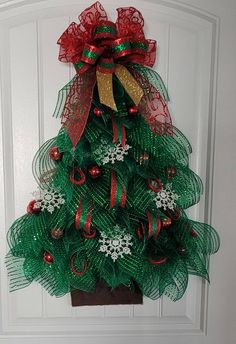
(117, 244)
(165, 198)
(110, 153)
(115, 183)
(48, 199)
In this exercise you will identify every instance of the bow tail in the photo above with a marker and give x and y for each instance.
(153, 107)
(77, 106)
(105, 89)
(131, 86)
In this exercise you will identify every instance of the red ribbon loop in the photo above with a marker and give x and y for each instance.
(90, 235)
(73, 268)
(158, 261)
(140, 231)
(173, 214)
(91, 53)
(77, 181)
(155, 184)
(105, 29)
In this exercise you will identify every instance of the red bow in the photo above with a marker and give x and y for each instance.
(96, 34)
(98, 48)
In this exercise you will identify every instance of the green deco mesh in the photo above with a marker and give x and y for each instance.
(185, 245)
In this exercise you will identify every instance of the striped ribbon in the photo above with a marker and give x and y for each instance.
(83, 218)
(118, 192)
(154, 225)
(119, 132)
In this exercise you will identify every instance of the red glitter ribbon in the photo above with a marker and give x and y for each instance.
(160, 261)
(74, 180)
(77, 106)
(96, 34)
(173, 214)
(73, 268)
(154, 184)
(153, 107)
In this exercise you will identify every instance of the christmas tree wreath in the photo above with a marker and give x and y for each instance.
(115, 182)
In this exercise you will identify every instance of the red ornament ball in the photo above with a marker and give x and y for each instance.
(56, 233)
(47, 257)
(54, 153)
(166, 222)
(133, 110)
(32, 208)
(97, 112)
(94, 171)
(171, 172)
(193, 233)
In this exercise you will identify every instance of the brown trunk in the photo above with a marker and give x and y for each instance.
(104, 295)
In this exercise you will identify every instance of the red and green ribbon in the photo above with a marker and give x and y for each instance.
(119, 132)
(125, 46)
(104, 40)
(83, 217)
(105, 29)
(118, 191)
(154, 225)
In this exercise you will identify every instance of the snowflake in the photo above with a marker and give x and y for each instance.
(166, 198)
(115, 245)
(111, 152)
(48, 199)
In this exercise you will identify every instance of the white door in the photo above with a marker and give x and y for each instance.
(197, 60)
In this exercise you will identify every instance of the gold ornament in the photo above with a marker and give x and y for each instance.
(171, 172)
(47, 176)
(56, 233)
(144, 158)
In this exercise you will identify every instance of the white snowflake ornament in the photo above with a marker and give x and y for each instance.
(166, 198)
(48, 199)
(108, 152)
(116, 245)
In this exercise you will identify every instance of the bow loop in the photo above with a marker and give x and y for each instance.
(106, 65)
(121, 47)
(91, 53)
(105, 29)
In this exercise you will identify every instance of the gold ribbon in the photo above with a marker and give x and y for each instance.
(105, 89)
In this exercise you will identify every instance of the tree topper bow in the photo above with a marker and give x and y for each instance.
(99, 48)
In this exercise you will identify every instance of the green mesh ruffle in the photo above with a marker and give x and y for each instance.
(185, 244)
